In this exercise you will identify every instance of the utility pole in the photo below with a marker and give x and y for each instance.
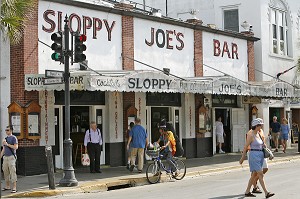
(68, 179)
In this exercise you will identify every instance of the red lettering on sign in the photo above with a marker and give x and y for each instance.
(221, 50)
(225, 49)
(217, 49)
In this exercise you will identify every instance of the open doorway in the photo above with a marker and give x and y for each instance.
(157, 114)
(225, 115)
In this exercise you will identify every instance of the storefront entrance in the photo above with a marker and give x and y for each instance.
(224, 113)
(157, 115)
(80, 118)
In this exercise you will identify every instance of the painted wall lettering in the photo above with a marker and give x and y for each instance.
(166, 39)
(232, 53)
(79, 23)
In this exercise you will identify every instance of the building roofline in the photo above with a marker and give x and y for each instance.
(163, 19)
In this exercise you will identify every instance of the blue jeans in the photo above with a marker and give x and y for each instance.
(169, 158)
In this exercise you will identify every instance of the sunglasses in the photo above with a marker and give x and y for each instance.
(6, 129)
(259, 125)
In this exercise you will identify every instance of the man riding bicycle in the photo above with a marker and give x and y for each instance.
(169, 147)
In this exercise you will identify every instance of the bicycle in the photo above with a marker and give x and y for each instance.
(153, 172)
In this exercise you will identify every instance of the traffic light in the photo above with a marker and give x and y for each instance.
(79, 48)
(57, 47)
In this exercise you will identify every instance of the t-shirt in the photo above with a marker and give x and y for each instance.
(10, 140)
(169, 137)
(275, 126)
(285, 129)
(219, 128)
(139, 136)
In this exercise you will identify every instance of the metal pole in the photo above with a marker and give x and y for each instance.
(166, 8)
(68, 179)
(0, 111)
(51, 180)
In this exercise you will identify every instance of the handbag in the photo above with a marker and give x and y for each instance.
(85, 159)
(267, 152)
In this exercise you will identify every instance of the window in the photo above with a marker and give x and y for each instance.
(279, 28)
(231, 20)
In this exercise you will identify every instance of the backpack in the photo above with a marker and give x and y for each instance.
(171, 138)
(179, 148)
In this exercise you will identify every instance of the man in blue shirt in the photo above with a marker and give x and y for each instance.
(10, 145)
(138, 138)
(92, 143)
(275, 130)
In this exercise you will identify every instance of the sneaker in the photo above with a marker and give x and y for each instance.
(127, 166)
(221, 151)
(276, 150)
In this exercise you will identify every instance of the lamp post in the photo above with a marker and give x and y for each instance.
(68, 179)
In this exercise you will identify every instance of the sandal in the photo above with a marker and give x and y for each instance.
(249, 195)
(13, 191)
(256, 190)
(5, 189)
(269, 194)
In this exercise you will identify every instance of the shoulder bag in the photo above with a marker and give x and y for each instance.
(267, 152)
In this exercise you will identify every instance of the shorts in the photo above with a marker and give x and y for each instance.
(275, 135)
(220, 138)
(284, 136)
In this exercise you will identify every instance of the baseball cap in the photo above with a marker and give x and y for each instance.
(257, 121)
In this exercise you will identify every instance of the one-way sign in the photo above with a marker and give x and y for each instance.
(50, 81)
(54, 73)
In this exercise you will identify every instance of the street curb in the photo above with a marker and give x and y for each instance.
(93, 186)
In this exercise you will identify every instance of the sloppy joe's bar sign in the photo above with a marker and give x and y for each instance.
(103, 31)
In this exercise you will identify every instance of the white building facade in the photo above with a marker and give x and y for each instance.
(275, 22)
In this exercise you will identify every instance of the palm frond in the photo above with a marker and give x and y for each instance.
(14, 14)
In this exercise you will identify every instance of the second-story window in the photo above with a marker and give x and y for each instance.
(231, 20)
(279, 29)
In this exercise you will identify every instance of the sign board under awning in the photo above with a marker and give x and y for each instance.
(134, 82)
(152, 81)
(230, 86)
(273, 89)
(35, 82)
(148, 82)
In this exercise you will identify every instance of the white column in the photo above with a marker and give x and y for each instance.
(114, 101)
(263, 112)
(188, 121)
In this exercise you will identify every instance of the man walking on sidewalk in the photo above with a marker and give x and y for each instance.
(275, 130)
(93, 143)
(139, 138)
(10, 145)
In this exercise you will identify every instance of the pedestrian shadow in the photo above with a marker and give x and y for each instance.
(239, 196)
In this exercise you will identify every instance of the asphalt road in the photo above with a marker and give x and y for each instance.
(283, 179)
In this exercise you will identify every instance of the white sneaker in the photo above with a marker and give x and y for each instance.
(221, 151)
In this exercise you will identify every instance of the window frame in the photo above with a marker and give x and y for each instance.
(279, 37)
(238, 20)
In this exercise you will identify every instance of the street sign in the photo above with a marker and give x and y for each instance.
(54, 73)
(50, 81)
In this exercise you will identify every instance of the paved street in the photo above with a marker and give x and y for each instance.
(282, 178)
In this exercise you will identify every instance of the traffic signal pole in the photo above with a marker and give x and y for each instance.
(68, 179)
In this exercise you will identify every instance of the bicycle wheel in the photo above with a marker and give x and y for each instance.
(181, 169)
(153, 173)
